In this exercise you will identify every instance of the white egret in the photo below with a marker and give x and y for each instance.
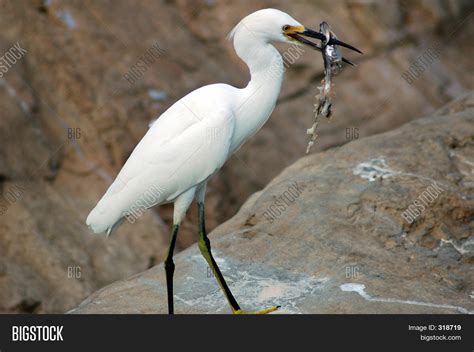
(191, 141)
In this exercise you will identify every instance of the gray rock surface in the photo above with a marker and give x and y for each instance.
(340, 243)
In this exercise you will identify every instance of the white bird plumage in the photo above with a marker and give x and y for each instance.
(193, 139)
(190, 141)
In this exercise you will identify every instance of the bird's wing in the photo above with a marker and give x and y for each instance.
(196, 153)
(178, 152)
(165, 130)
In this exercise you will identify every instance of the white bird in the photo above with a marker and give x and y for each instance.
(193, 139)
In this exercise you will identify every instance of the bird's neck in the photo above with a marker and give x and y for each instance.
(258, 98)
(266, 70)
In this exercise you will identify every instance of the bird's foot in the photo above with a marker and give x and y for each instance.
(263, 311)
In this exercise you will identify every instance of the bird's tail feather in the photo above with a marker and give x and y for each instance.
(104, 218)
(114, 226)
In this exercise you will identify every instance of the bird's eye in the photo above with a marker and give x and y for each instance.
(285, 27)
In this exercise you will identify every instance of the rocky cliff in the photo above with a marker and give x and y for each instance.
(96, 72)
(384, 224)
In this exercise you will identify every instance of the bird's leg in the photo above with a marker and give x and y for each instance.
(205, 248)
(169, 268)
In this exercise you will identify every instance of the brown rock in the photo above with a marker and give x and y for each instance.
(342, 242)
(78, 79)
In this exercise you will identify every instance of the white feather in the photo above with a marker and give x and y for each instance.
(197, 134)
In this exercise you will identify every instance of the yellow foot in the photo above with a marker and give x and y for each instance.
(263, 311)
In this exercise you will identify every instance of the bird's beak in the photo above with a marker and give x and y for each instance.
(332, 41)
(297, 33)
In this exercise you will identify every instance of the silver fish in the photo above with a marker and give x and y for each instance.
(333, 60)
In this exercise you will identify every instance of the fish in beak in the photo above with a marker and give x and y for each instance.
(327, 38)
(332, 64)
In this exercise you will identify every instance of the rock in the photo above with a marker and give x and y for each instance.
(75, 106)
(331, 233)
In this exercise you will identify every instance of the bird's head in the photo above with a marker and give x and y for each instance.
(271, 25)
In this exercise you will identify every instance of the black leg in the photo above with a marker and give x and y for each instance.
(169, 268)
(205, 247)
